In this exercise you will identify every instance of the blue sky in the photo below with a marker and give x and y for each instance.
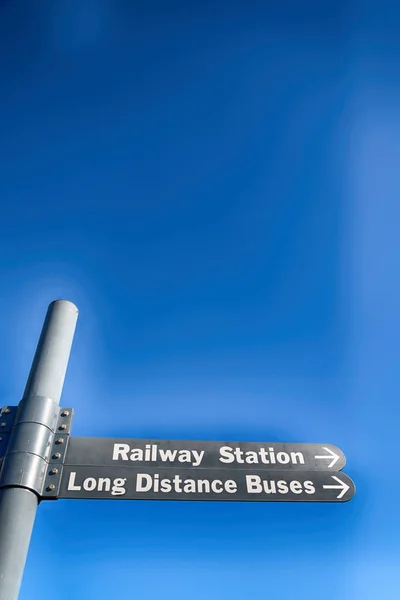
(215, 187)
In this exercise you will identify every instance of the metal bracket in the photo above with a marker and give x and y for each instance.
(40, 436)
(51, 484)
(64, 422)
(58, 449)
(4, 439)
(7, 418)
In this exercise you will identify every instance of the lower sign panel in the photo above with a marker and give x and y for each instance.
(127, 483)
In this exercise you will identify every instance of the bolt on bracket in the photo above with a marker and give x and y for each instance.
(7, 418)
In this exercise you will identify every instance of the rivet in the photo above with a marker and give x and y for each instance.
(57, 455)
(51, 487)
(63, 426)
(54, 471)
(60, 441)
(3, 425)
(1, 439)
(65, 413)
(6, 411)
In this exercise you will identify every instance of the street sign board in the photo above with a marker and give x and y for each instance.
(203, 455)
(177, 483)
(38, 458)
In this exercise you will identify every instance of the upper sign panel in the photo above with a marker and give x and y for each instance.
(203, 455)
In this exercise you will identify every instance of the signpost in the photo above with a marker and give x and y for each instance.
(40, 461)
(25, 457)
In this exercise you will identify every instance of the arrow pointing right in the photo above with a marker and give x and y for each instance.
(342, 486)
(332, 456)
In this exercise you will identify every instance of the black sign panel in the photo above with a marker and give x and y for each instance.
(168, 483)
(140, 453)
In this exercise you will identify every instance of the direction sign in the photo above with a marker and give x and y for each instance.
(168, 483)
(203, 455)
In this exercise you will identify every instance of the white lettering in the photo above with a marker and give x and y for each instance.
(297, 455)
(215, 489)
(226, 454)
(189, 486)
(230, 486)
(283, 458)
(120, 451)
(296, 487)
(167, 454)
(139, 482)
(198, 457)
(71, 483)
(282, 487)
(89, 484)
(270, 486)
(253, 484)
(309, 487)
(185, 456)
(102, 484)
(118, 488)
(137, 454)
(272, 456)
(166, 485)
(177, 484)
(263, 455)
(151, 483)
(251, 457)
(203, 483)
(154, 452)
(239, 455)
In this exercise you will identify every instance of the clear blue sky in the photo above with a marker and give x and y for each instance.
(215, 187)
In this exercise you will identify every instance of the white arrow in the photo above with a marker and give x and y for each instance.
(331, 455)
(342, 486)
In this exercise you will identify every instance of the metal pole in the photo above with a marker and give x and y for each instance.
(25, 461)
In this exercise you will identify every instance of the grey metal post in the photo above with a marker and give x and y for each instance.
(25, 463)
